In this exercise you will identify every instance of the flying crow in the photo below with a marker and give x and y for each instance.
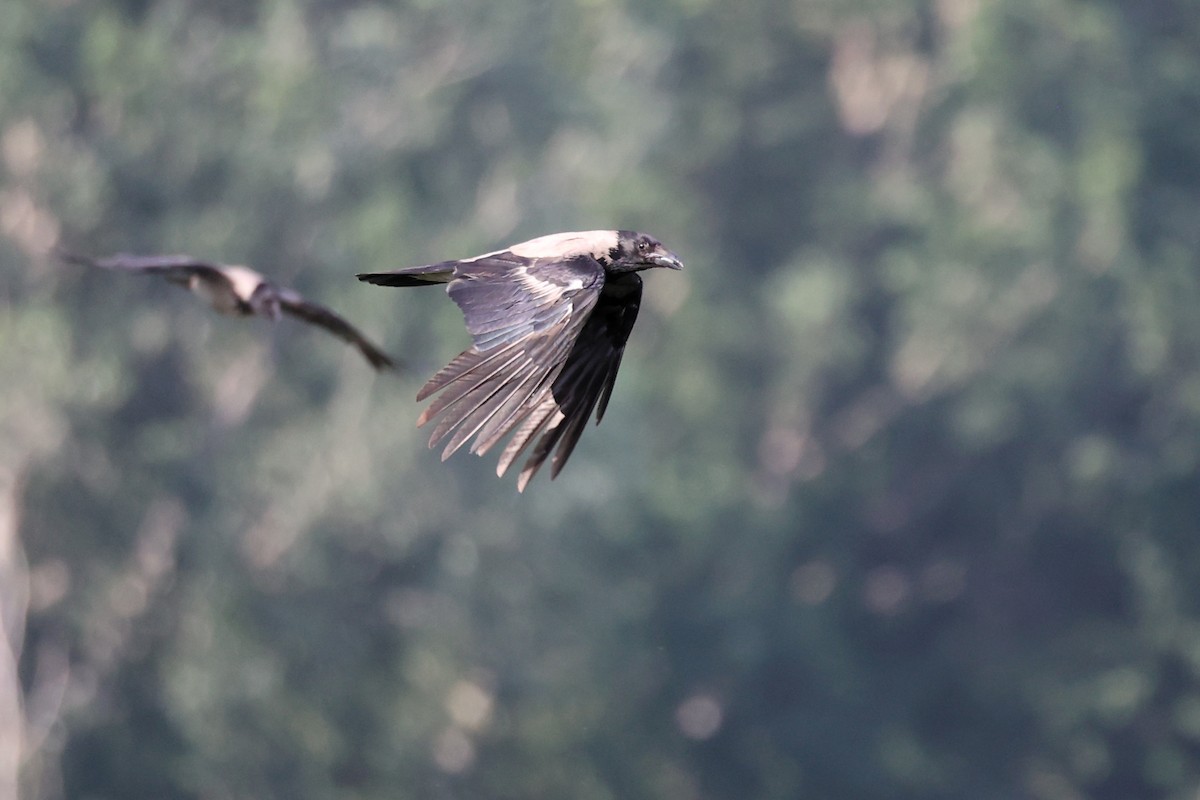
(238, 291)
(549, 318)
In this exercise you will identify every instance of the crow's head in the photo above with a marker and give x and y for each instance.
(638, 251)
(264, 301)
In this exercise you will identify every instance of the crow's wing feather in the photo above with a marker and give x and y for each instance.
(586, 380)
(525, 316)
(316, 314)
(170, 265)
(505, 298)
(548, 340)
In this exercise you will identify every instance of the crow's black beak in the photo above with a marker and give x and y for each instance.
(666, 259)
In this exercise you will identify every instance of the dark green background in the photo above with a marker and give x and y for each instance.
(898, 495)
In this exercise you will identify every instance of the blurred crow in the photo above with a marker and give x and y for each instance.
(238, 291)
(549, 318)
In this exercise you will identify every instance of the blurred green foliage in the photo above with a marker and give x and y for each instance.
(898, 495)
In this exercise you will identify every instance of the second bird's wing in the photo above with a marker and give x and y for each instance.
(171, 266)
(293, 303)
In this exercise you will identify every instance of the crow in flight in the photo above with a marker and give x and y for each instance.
(549, 318)
(238, 291)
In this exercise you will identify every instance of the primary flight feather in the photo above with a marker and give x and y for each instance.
(549, 319)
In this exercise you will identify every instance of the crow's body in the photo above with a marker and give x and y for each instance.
(549, 318)
(238, 291)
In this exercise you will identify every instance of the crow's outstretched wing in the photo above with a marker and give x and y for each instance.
(585, 382)
(293, 303)
(173, 267)
(548, 339)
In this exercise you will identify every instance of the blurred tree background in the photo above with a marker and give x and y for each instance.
(897, 496)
